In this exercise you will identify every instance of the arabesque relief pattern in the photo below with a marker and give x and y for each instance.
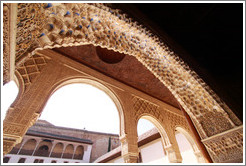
(142, 106)
(6, 43)
(167, 119)
(227, 147)
(29, 25)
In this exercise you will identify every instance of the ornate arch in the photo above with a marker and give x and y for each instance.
(61, 25)
(160, 128)
(100, 86)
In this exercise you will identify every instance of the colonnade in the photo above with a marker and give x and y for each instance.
(36, 146)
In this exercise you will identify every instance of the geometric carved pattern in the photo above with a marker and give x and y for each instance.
(62, 25)
(6, 43)
(29, 21)
(8, 145)
(214, 121)
(143, 106)
(227, 147)
(31, 68)
(13, 129)
(177, 121)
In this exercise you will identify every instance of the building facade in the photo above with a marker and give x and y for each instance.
(46, 143)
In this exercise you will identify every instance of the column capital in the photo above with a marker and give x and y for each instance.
(123, 137)
(130, 157)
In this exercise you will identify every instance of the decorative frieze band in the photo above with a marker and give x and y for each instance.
(226, 146)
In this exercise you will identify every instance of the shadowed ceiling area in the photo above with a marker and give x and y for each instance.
(126, 69)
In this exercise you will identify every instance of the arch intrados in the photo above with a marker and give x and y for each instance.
(79, 148)
(31, 139)
(188, 137)
(95, 83)
(49, 144)
(70, 145)
(59, 143)
(159, 127)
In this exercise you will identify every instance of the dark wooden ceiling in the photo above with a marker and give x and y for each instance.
(208, 37)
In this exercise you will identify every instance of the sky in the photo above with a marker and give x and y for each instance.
(79, 106)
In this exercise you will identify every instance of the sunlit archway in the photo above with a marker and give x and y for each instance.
(152, 150)
(82, 106)
(187, 147)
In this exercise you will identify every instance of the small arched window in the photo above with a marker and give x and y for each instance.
(43, 150)
(79, 153)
